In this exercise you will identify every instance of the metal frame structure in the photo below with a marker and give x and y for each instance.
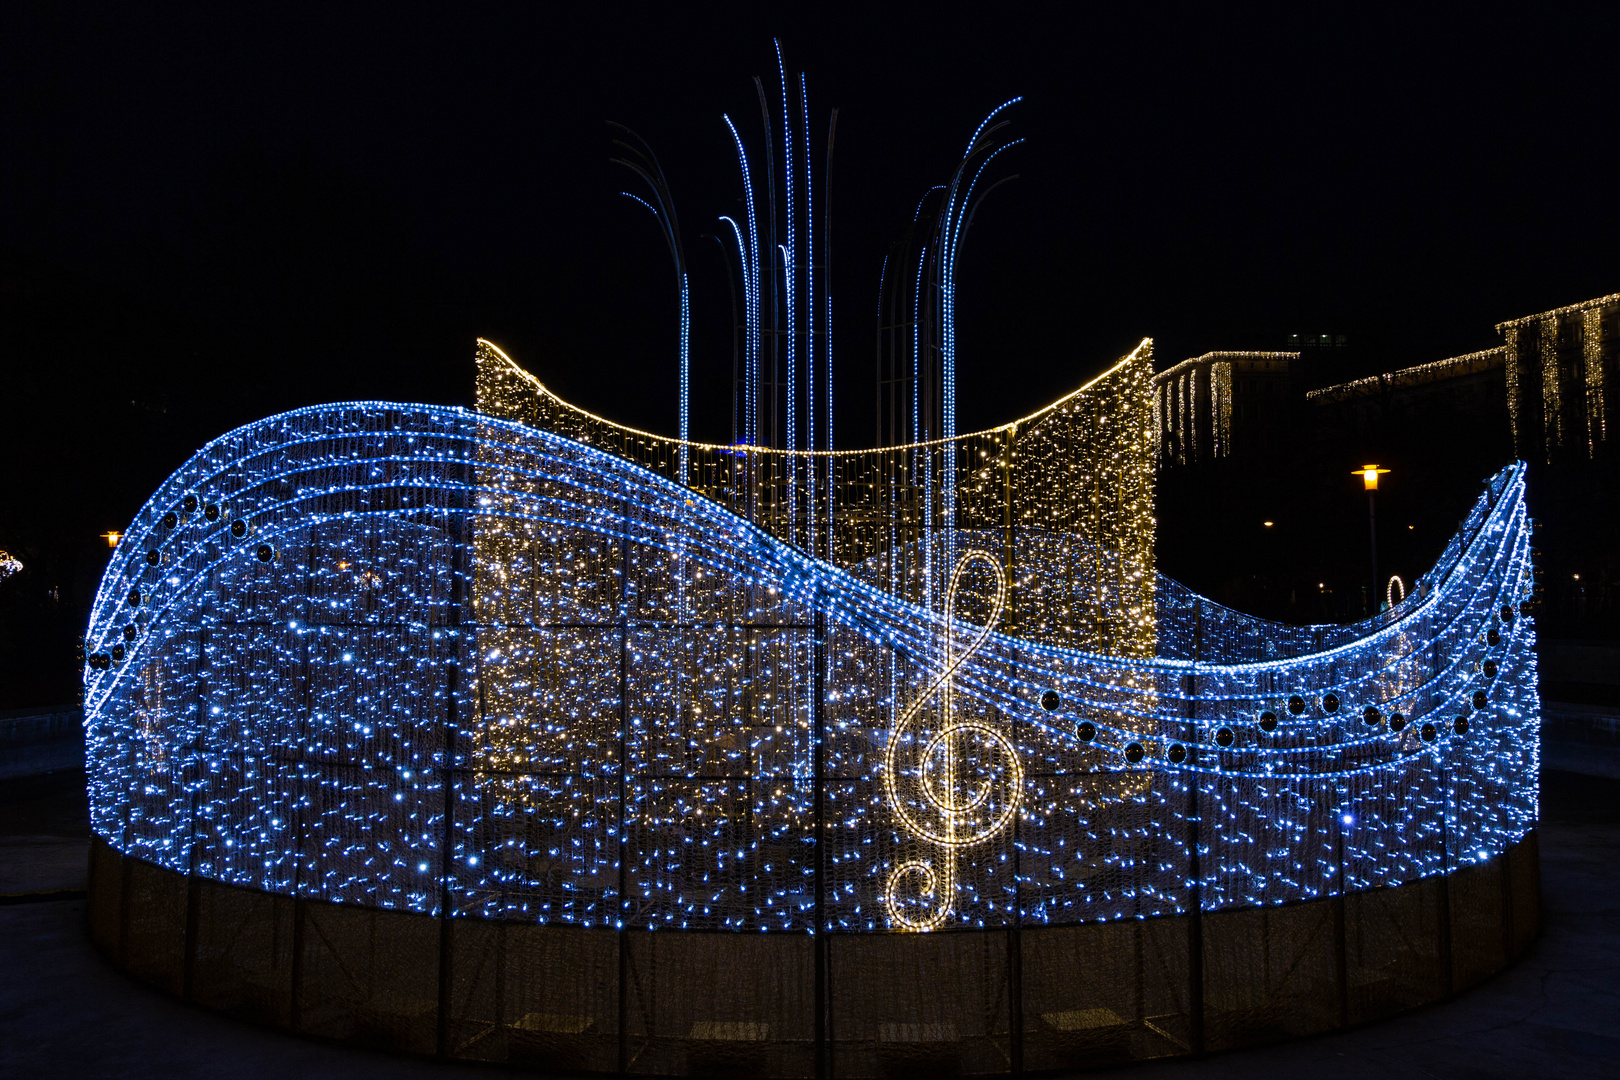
(434, 716)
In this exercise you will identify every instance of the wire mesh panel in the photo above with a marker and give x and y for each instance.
(1479, 895)
(1104, 993)
(153, 927)
(567, 999)
(720, 1004)
(909, 1006)
(368, 978)
(1393, 950)
(1271, 973)
(241, 951)
(549, 995)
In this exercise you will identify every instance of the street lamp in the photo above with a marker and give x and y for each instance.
(1369, 479)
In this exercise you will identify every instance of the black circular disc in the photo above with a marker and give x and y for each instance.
(170, 520)
(265, 552)
(1296, 704)
(189, 504)
(212, 512)
(134, 598)
(239, 528)
(1330, 702)
(1460, 725)
(1493, 636)
(1524, 608)
(1049, 701)
(1489, 667)
(1480, 699)
(1268, 721)
(117, 652)
(1396, 721)
(1086, 731)
(1134, 753)
(1507, 612)
(1428, 732)
(1178, 753)
(130, 632)
(152, 557)
(1224, 737)
(1371, 715)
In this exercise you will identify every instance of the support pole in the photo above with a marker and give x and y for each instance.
(1372, 529)
(819, 938)
(624, 769)
(457, 527)
(1341, 957)
(1195, 888)
(1015, 942)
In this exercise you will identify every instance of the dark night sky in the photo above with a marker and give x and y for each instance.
(214, 215)
(1211, 181)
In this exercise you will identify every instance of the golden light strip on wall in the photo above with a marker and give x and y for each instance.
(1552, 396)
(1220, 378)
(1434, 370)
(1567, 309)
(1199, 391)
(1513, 351)
(1175, 372)
(1596, 388)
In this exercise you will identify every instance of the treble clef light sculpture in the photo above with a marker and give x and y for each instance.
(944, 807)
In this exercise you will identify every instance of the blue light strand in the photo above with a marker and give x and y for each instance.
(285, 721)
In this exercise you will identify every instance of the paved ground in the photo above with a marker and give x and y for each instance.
(64, 1013)
(44, 833)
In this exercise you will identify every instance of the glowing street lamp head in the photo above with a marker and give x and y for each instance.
(112, 538)
(1369, 476)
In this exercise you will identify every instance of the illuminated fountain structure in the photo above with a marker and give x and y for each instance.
(479, 733)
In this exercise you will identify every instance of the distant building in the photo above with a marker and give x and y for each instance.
(1560, 373)
(1436, 396)
(1550, 380)
(1222, 402)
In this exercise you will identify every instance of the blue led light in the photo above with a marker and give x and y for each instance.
(591, 698)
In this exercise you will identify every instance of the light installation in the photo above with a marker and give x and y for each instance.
(423, 658)
(409, 724)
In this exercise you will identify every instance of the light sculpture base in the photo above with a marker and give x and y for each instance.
(568, 999)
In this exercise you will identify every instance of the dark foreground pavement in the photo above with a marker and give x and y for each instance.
(65, 1013)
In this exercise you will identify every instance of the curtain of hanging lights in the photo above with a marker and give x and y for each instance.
(502, 664)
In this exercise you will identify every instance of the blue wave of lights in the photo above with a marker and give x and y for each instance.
(417, 658)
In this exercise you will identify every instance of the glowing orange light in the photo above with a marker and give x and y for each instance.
(113, 538)
(1267, 524)
(1369, 476)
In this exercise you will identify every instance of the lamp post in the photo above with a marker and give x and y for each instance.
(1369, 479)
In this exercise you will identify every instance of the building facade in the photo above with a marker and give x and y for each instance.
(1212, 405)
